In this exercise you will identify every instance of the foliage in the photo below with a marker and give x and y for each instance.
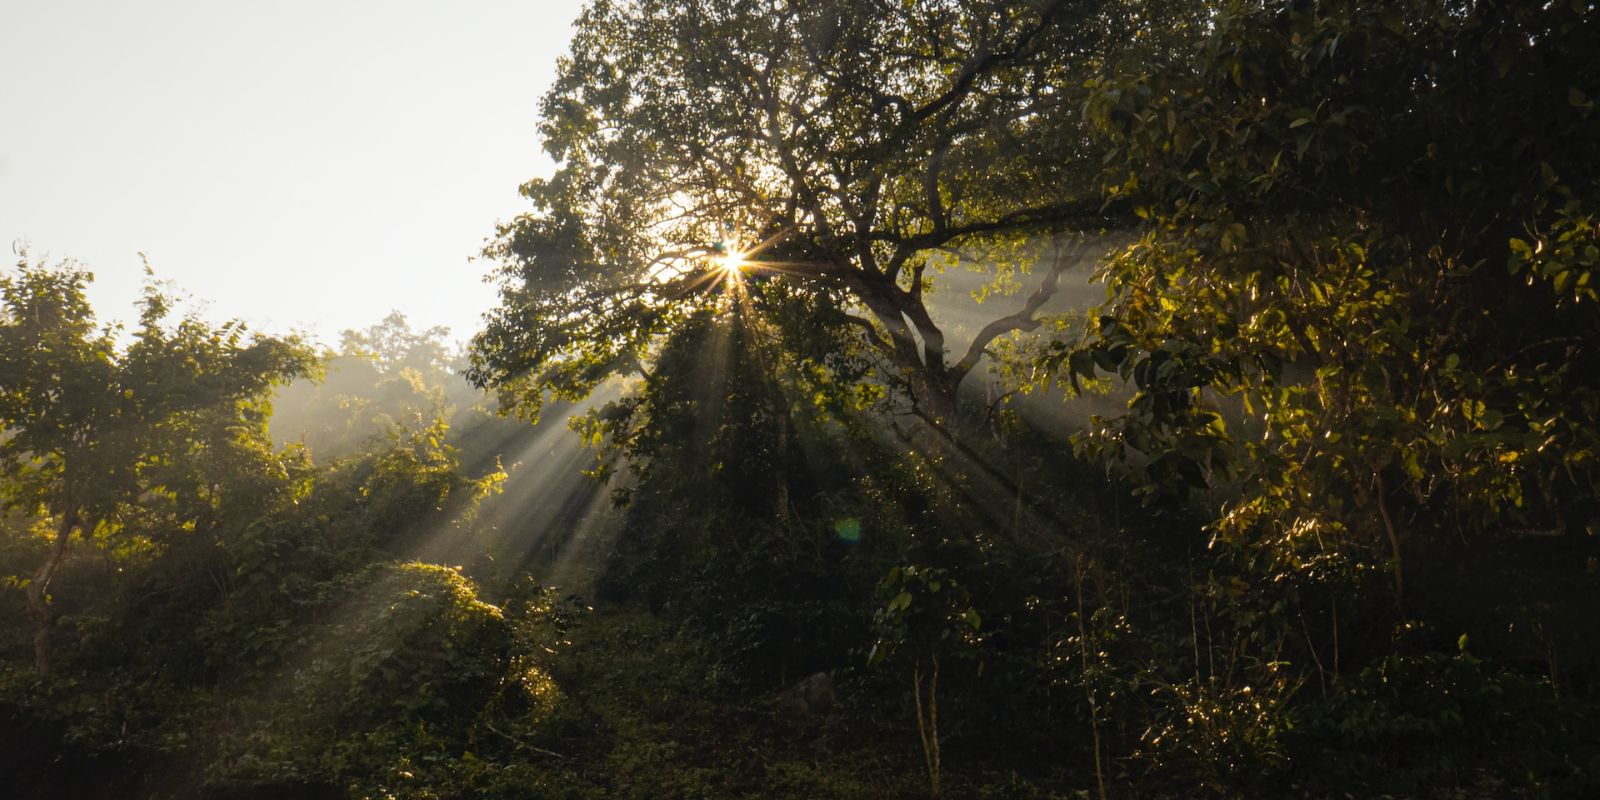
(1353, 327)
(1338, 542)
(98, 435)
(382, 378)
(851, 149)
(729, 446)
(1329, 215)
(301, 650)
(393, 347)
(925, 610)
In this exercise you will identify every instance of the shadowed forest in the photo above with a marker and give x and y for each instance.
(941, 398)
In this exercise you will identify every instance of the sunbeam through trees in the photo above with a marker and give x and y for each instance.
(941, 398)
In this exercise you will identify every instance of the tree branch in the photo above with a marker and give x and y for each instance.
(873, 336)
(1023, 320)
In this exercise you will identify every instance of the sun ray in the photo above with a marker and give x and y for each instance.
(595, 519)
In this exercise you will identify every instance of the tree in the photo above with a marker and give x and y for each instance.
(384, 375)
(1375, 224)
(96, 432)
(853, 148)
(393, 346)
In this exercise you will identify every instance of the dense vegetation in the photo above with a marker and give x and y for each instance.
(1303, 506)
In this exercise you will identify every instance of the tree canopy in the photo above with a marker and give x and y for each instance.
(855, 149)
(96, 432)
(1376, 231)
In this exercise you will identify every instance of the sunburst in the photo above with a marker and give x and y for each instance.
(732, 263)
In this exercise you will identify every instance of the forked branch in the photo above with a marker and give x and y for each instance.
(1024, 319)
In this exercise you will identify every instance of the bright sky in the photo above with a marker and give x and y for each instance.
(298, 164)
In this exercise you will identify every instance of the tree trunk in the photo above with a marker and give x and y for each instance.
(1394, 545)
(935, 402)
(928, 723)
(39, 592)
(782, 468)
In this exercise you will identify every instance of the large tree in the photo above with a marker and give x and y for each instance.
(1375, 223)
(95, 432)
(854, 147)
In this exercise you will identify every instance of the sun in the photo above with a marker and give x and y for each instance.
(732, 263)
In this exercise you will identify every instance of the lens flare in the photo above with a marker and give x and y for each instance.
(732, 262)
(848, 529)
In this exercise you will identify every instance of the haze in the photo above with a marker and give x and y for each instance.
(297, 164)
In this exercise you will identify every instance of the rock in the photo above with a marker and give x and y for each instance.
(810, 697)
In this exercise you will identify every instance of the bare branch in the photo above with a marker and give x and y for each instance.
(873, 336)
(1023, 320)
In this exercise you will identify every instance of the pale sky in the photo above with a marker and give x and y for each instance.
(300, 165)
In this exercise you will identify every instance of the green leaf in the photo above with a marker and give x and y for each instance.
(972, 619)
(1412, 465)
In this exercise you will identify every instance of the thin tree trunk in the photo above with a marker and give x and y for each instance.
(39, 592)
(782, 468)
(1394, 546)
(928, 723)
(1088, 691)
